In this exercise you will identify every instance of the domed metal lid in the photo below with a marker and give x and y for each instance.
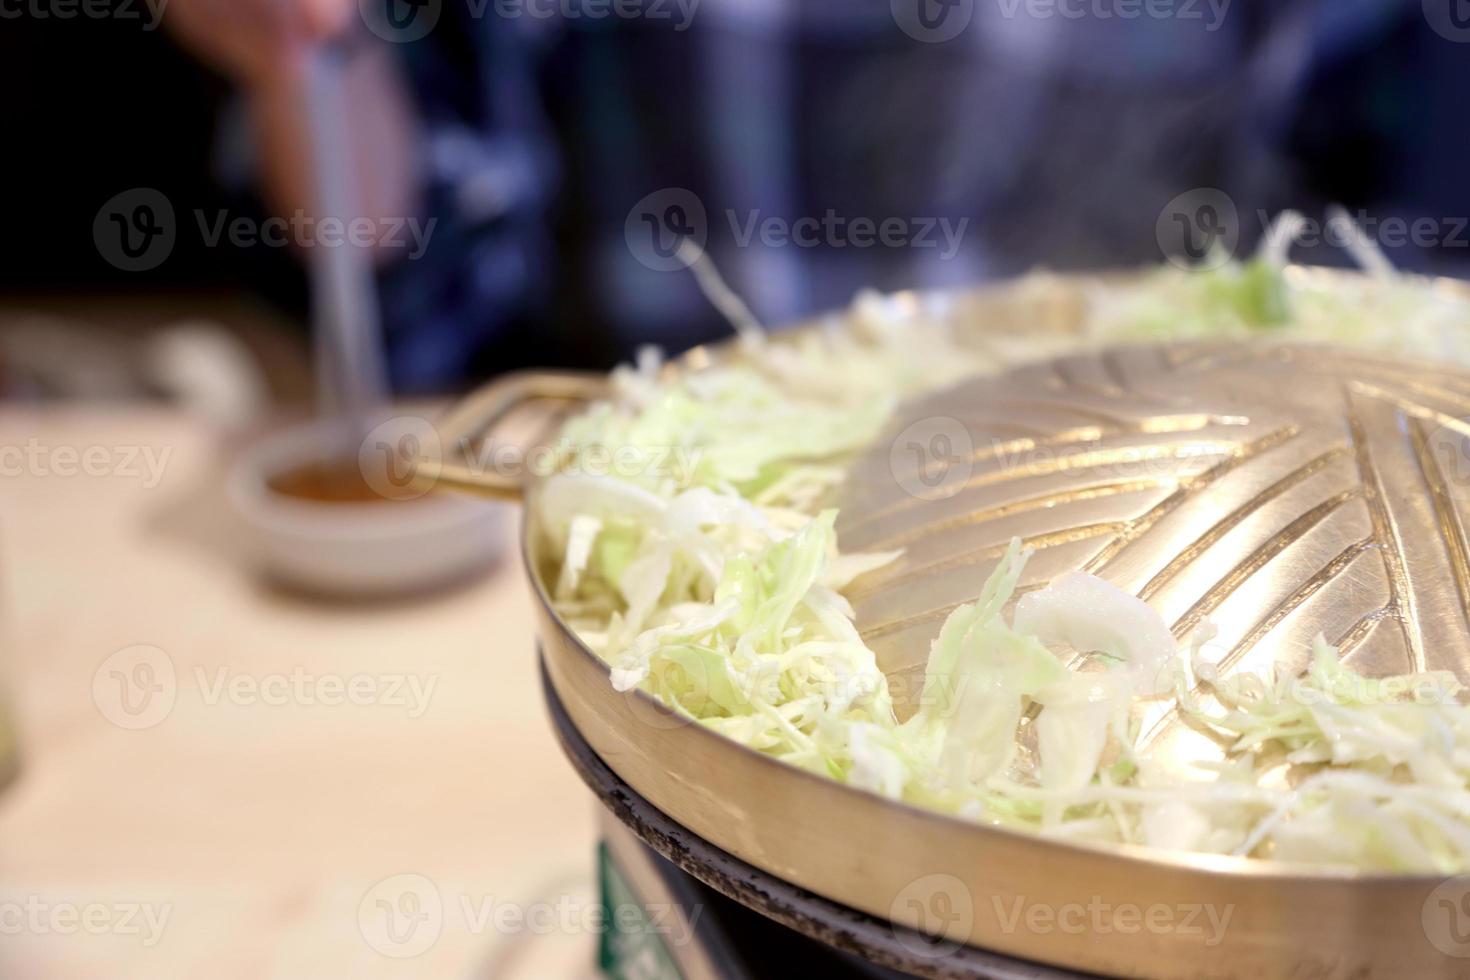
(1276, 491)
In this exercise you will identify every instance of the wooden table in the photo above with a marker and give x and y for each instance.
(270, 825)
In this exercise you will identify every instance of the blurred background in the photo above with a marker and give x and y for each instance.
(521, 135)
(197, 191)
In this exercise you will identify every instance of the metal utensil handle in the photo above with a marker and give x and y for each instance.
(353, 380)
(485, 408)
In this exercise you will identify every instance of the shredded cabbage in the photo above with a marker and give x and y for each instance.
(705, 569)
(1262, 297)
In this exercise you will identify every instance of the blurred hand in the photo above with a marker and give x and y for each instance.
(265, 47)
(256, 42)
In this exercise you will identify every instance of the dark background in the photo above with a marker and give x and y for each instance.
(1063, 160)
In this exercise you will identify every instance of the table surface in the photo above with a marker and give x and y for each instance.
(266, 825)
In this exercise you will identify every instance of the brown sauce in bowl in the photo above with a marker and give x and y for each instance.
(331, 481)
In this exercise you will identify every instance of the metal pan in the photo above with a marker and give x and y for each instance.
(1280, 489)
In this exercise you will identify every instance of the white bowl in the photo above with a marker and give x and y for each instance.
(350, 548)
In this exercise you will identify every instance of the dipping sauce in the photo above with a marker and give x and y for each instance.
(331, 481)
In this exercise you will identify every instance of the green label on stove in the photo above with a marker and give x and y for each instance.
(631, 947)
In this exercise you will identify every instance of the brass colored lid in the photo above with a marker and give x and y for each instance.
(1277, 491)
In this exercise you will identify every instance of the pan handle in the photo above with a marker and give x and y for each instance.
(481, 411)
